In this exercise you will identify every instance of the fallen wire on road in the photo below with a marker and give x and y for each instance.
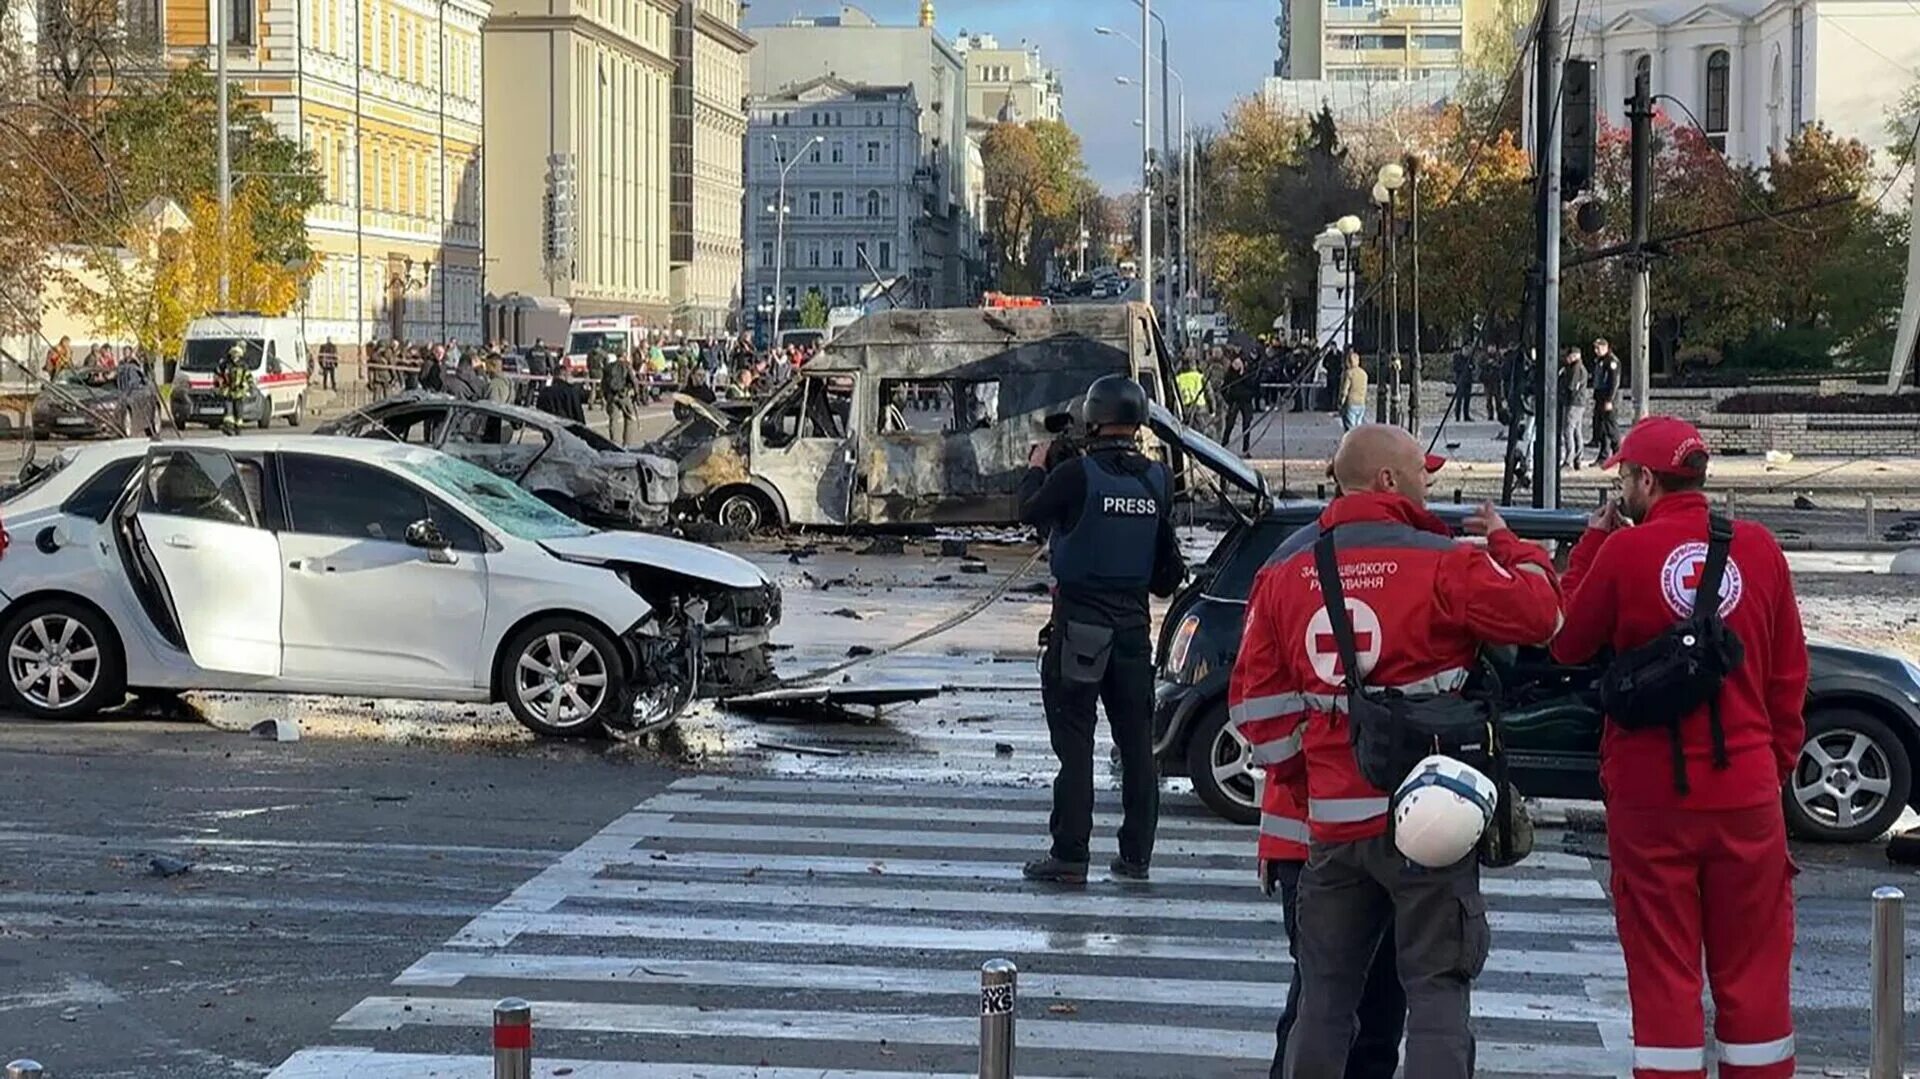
(973, 609)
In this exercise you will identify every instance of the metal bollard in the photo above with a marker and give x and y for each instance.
(997, 989)
(1889, 965)
(1873, 533)
(24, 1069)
(513, 1039)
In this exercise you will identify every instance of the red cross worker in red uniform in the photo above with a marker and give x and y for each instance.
(1421, 604)
(1695, 828)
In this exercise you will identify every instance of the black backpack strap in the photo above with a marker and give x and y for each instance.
(1706, 609)
(1336, 600)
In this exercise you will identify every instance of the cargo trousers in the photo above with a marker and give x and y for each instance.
(1351, 896)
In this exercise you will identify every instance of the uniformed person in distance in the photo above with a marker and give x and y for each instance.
(1107, 514)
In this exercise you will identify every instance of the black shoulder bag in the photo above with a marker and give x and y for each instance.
(1668, 679)
(1392, 733)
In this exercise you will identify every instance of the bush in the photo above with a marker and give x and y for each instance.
(1857, 404)
(1797, 348)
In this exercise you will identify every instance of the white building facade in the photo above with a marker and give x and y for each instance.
(852, 198)
(1753, 72)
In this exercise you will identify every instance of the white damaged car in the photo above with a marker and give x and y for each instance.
(289, 564)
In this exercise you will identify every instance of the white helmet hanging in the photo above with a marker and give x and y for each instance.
(1440, 811)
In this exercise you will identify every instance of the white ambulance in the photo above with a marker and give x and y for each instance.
(614, 334)
(274, 352)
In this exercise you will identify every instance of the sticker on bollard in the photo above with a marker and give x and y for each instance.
(996, 999)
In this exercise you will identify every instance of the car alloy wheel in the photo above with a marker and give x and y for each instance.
(562, 678)
(1233, 771)
(53, 661)
(1220, 764)
(1843, 779)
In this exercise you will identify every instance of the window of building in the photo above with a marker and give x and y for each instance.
(814, 154)
(813, 254)
(766, 253)
(792, 294)
(873, 151)
(813, 204)
(1643, 65)
(859, 252)
(239, 22)
(1375, 41)
(886, 254)
(839, 204)
(1719, 79)
(873, 204)
(1436, 41)
(839, 256)
(839, 152)
(839, 294)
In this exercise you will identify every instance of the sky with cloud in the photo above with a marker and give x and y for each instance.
(1222, 48)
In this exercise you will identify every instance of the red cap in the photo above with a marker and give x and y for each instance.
(1660, 444)
(1435, 462)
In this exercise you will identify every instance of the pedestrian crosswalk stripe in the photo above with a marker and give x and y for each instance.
(650, 825)
(764, 1024)
(761, 893)
(1237, 880)
(369, 1064)
(814, 926)
(445, 970)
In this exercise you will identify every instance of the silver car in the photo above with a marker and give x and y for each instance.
(568, 465)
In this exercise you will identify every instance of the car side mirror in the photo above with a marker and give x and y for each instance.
(427, 535)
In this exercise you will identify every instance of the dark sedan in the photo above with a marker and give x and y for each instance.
(1863, 709)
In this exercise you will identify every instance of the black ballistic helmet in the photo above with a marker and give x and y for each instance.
(1115, 399)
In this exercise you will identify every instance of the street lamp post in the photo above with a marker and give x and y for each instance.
(1386, 343)
(779, 209)
(1391, 178)
(1346, 227)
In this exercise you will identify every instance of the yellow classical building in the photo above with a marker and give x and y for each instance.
(639, 103)
(386, 94)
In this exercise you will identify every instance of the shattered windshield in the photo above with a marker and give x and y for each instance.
(503, 504)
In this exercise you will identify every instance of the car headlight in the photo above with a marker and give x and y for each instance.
(1182, 644)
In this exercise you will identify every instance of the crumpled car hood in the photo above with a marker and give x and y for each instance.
(678, 556)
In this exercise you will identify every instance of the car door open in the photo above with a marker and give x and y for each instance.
(199, 516)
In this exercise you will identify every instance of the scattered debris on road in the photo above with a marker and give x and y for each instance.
(161, 865)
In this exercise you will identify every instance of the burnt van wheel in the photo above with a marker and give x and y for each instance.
(746, 510)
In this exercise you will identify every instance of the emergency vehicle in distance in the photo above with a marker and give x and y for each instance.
(613, 334)
(275, 353)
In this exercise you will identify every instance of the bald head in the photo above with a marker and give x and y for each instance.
(1381, 457)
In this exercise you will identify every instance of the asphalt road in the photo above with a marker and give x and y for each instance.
(742, 897)
(318, 869)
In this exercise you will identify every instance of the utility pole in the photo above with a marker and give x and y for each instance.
(1186, 217)
(1413, 199)
(1639, 358)
(222, 150)
(1146, 154)
(1549, 65)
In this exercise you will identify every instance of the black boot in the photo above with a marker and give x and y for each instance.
(1126, 870)
(1055, 871)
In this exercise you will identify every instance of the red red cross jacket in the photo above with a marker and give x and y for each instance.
(1625, 587)
(1421, 605)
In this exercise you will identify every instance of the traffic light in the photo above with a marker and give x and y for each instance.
(1576, 130)
(557, 207)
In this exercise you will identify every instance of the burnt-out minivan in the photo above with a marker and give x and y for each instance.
(913, 417)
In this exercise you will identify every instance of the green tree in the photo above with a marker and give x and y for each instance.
(1037, 186)
(813, 310)
(162, 142)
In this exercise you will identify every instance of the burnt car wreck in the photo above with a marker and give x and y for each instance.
(910, 418)
(567, 465)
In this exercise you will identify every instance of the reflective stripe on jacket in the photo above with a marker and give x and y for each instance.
(1421, 605)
